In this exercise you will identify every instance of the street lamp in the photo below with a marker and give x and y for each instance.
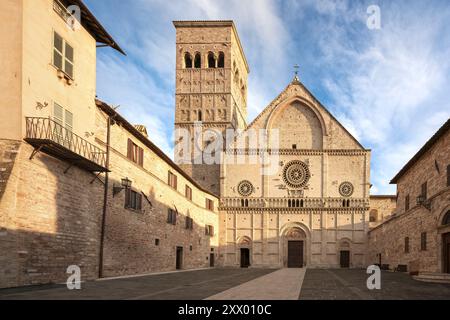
(422, 201)
(125, 184)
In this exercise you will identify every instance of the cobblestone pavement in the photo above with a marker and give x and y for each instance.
(350, 284)
(192, 285)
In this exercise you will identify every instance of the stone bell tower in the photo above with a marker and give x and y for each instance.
(211, 89)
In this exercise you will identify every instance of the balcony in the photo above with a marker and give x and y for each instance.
(50, 137)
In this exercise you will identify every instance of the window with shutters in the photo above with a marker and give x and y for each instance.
(63, 55)
(424, 190)
(423, 241)
(172, 180)
(171, 216)
(209, 230)
(188, 192)
(189, 223)
(135, 153)
(133, 200)
(209, 204)
(64, 125)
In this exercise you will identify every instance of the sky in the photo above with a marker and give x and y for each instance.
(388, 86)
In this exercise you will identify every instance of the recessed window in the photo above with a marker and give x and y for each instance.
(172, 180)
(187, 60)
(197, 61)
(407, 245)
(189, 223)
(156, 242)
(424, 190)
(188, 192)
(190, 247)
(209, 204)
(211, 60)
(221, 61)
(135, 153)
(133, 200)
(209, 230)
(63, 55)
(423, 241)
(407, 203)
(171, 216)
(294, 146)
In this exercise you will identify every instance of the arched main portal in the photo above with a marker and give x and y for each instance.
(294, 245)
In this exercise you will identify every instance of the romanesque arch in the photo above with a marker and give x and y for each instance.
(300, 125)
(290, 233)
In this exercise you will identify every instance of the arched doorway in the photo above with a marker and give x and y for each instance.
(344, 253)
(446, 242)
(294, 246)
(244, 251)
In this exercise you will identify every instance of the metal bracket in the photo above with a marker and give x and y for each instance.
(97, 177)
(35, 151)
(68, 168)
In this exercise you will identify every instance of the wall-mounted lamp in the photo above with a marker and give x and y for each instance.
(125, 184)
(422, 201)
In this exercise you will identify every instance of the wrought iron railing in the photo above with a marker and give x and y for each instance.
(46, 129)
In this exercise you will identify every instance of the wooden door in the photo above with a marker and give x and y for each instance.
(211, 260)
(446, 253)
(345, 259)
(179, 258)
(245, 257)
(295, 254)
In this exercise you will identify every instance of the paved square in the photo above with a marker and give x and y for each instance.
(244, 284)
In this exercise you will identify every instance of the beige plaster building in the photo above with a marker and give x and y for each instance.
(417, 236)
(65, 196)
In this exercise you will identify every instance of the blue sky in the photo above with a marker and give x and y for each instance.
(388, 87)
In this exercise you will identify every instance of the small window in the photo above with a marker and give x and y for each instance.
(172, 180)
(187, 60)
(200, 116)
(188, 193)
(244, 203)
(189, 223)
(221, 61)
(373, 215)
(63, 55)
(209, 204)
(448, 175)
(135, 153)
(407, 245)
(423, 241)
(209, 230)
(133, 200)
(197, 61)
(156, 242)
(407, 203)
(190, 247)
(424, 190)
(171, 216)
(211, 60)
(294, 146)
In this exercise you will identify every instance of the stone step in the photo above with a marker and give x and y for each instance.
(433, 277)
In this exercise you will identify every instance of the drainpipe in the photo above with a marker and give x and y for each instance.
(105, 199)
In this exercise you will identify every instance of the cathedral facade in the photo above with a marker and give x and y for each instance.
(312, 207)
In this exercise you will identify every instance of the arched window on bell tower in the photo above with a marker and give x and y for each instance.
(200, 115)
(221, 61)
(211, 60)
(187, 60)
(198, 61)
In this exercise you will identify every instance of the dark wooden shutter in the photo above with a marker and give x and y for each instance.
(424, 189)
(130, 149)
(127, 198)
(407, 203)
(141, 156)
(138, 201)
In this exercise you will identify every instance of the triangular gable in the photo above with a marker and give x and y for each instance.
(335, 131)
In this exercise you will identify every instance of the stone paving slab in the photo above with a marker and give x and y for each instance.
(193, 285)
(350, 284)
(284, 284)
